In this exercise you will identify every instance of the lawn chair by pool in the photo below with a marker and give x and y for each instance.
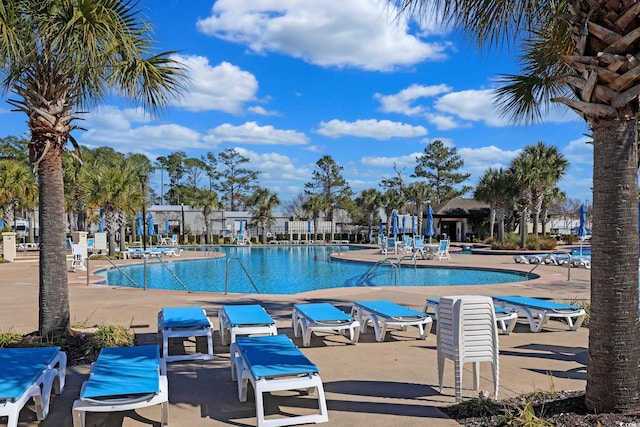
(274, 363)
(506, 319)
(184, 322)
(124, 379)
(539, 311)
(251, 319)
(309, 318)
(382, 313)
(443, 250)
(30, 373)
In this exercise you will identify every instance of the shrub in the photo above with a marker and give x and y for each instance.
(108, 336)
(9, 339)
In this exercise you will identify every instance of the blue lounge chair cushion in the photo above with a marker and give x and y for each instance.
(184, 317)
(536, 303)
(247, 315)
(20, 367)
(273, 356)
(124, 371)
(323, 312)
(386, 308)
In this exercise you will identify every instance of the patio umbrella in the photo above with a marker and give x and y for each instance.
(404, 223)
(140, 229)
(582, 230)
(100, 225)
(308, 225)
(429, 232)
(151, 230)
(394, 222)
(241, 227)
(413, 225)
(167, 229)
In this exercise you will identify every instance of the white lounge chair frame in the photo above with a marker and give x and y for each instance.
(539, 315)
(166, 331)
(506, 322)
(51, 379)
(443, 251)
(81, 407)
(302, 324)
(232, 330)
(261, 385)
(380, 322)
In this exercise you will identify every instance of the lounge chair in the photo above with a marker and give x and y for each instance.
(274, 363)
(30, 373)
(184, 322)
(251, 319)
(506, 319)
(124, 379)
(443, 250)
(538, 311)
(383, 313)
(581, 261)
(309, 318)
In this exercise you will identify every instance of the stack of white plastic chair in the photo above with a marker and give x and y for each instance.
(467, 332)
(79, 253)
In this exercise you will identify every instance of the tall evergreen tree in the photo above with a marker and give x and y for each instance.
(234, 181)
(439, 165)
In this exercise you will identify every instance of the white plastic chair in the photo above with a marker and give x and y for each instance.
(79, 253)
(467, 332)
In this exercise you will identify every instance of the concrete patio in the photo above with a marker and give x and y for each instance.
(392, 383)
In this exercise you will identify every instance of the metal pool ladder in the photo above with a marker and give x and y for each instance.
(226, 275)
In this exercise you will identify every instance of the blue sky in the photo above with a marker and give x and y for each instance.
(285, 82)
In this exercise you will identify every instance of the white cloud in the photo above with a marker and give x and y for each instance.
(408, 160)
(252, 133)
(579, 151)
(262, 111)
(443, 122)
(402, 101)
(376, 129)
(478, 160)
(366, 34)
(224, 87)
(474, 105)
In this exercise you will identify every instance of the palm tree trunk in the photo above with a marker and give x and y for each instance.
(54, 290)
(613, 377)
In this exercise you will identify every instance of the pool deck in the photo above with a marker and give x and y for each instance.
(391, 383)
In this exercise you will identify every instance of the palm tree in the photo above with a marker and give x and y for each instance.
(208, 201)
(261, 203)
(582, 54)
(419, 193)
(17, 186)
(370, 201)
(551, 167)
(391, 200)
(552, 197)
(113, 190)
(60, 57)
(314, 206)
(496, 188)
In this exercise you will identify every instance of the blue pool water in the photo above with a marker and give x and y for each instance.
(293, 269)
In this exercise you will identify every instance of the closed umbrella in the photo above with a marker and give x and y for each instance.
(413, 225)
(151, 230)
(140, 229)
(582, 230)
(404, 224)
(167, 229)
(100, 225)
(241, 227)
(394, 223)
(429, 231)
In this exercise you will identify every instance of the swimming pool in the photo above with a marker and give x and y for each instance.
(294, 269)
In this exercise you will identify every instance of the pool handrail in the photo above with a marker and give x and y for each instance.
(226, 275)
